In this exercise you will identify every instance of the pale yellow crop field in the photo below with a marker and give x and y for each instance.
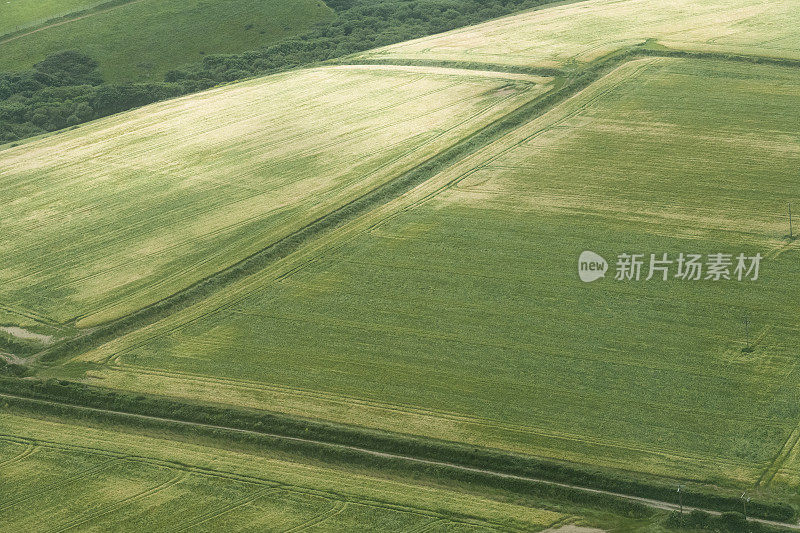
(582, 31)
(127, 210)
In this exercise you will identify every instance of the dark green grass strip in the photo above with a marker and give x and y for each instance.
(467, 65)
(718, 56)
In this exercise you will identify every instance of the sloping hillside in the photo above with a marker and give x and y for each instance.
(143, 39)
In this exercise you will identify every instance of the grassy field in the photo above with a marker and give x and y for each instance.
(64, 475)
(127, 210)
(574, 33)
(456, 311)
(143, 39)
(453, 310)
(20, 14)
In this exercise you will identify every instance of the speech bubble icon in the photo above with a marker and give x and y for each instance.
(591, 266)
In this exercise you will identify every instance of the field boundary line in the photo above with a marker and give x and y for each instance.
(456, 65)
(647, 502)
(449, 71)
(636, 50)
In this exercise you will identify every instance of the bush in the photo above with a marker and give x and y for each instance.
(728, 522)
(63, 69)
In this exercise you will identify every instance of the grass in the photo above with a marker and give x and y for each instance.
(572, 34)
(144, 39)
(452, 311)
(58, 474)
(125, 211)
(17, 15)
(455, 311)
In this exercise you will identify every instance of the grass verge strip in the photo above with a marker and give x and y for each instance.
(467, 65)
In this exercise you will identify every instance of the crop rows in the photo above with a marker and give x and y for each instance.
(438, 310)
(171, 214)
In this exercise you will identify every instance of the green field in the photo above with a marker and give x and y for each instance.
(455, 312)
(59, 475)
(448, 306)
(574, 33)
(143, 39)
(130, 209)
(17, 15)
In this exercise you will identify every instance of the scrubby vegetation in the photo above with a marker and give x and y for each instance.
(728, 522)
(67, 89)
(141, 40)
(12, 369)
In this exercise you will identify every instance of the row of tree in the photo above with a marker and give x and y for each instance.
(67, 89)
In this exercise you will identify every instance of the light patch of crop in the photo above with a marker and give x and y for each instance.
(560, 36)
(126, 210)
